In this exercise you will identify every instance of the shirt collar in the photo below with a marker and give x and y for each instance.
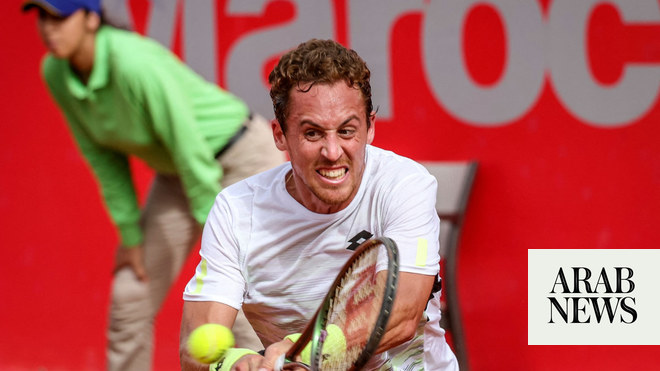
(100, 71)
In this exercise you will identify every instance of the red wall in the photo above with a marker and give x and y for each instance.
(547, 179)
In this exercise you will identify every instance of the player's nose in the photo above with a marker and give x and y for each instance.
(332, 149)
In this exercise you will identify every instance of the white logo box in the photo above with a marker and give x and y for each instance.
(580, 327)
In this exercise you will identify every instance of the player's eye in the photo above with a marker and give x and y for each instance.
(346, 132)
(312, 134)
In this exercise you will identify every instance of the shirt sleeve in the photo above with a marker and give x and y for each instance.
(218, 276)
(112, 169)
(413, 223)
(170, 109)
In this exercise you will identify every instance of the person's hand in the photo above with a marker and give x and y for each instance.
(273, 353)
(132, 257)
(248, 362)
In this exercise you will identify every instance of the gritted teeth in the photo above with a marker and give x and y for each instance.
(334, 174)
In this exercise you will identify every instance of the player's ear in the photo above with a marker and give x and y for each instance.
(278, 135)
(371, 132)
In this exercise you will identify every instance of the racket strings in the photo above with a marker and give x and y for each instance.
(355, 309)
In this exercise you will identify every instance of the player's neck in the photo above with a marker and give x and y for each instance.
(312, 201)
(291, 185)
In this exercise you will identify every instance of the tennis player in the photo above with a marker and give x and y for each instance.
(274, 242)
(124, 95)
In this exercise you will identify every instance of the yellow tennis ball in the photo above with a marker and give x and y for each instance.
(209, 342)
(334, 346)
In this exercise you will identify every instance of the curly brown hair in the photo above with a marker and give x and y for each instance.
(317, 62)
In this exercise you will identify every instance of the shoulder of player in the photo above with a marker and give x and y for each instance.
(240, 200)
(256, 185)
(389, 165)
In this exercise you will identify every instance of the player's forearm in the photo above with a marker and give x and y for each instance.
(189, 364)
(194, 315)
(411, 299)
(399, 330)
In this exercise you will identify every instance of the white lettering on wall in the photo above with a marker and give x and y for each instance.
(522, 79)
(161, 21)
(536, 46)
(246, 58)
(116, 13)
(199, 35)
(607, 106)
(370, 30)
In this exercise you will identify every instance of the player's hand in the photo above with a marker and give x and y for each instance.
(248, 362)
(133, 258)
(273, 353)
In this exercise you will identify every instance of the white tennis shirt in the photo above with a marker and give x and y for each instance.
(266, 252)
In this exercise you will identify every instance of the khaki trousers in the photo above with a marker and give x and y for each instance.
(170, 234)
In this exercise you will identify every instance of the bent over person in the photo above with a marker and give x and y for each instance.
(125, 95)
(274, 242)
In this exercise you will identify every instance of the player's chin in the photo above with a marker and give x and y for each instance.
(334, 196)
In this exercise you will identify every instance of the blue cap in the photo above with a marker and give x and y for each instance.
(63, 8)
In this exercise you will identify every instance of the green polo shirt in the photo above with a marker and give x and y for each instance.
(141, 100)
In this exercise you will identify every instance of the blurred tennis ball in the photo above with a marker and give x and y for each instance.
(209, 342)
(334, 347)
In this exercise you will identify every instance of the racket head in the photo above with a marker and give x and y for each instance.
(359, 304)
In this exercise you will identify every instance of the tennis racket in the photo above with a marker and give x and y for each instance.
(359, 303)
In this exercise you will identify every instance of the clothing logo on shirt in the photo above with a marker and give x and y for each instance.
(359, 239)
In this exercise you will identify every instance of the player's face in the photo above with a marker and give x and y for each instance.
(326, 137)
(63, 36)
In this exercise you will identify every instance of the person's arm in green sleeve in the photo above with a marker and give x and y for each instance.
(112, 173)
(112, 170)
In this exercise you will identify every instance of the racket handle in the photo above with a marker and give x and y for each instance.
(281, 364)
